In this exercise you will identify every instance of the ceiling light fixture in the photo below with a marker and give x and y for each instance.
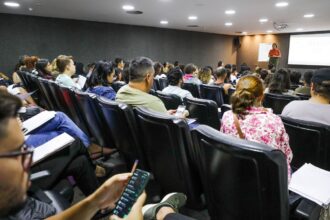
(128, 7)
(308, 15)
(263, 20)
(230, 12)
(269, 31)
(244, 32)
(164, 22)
(30, 9)
(11, 4)
(281, 4)
(228, 24)
(300, 29)
(192, 17)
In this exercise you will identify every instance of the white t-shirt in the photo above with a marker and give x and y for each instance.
(177, 91)
(308, 111)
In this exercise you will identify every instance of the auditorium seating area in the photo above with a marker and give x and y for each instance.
(219, 174)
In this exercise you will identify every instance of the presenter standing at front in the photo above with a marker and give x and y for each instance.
(274, 56)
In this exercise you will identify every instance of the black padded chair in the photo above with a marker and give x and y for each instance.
(121, 122)
(214, 93)
(163, 83)
(303, 96)
(192, 88)
(171, 101)
(309, 141)
(168, 148)
(87, 104)
(277, 102)
(46, 91)
(241, 179)
(155, 85)
(58, 97)
(206, 111)
(117, 85)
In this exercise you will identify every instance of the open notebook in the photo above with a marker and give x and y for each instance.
(312, 183)
(51, 147)
(37, 120)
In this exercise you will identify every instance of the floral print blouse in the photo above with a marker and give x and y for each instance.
(262, 126)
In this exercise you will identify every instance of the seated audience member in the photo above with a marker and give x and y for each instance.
(55, 72)
(30, 64)
(67, 69)
(249, 120)
(295, 79)
(182, 66)
(220, 75)
(18, 67)
(101, 79)
(271, 68)
(280, 83)
(205, 75)
(219, 63)
(243, 68)
(263, 74)
(167, 67)
(136, 93)
(175, 81)
(5, 80)
(317, 108)
(126, 75)
(306, 88)
(15, 161)
(118, 74)
(119, 63)
(176, 63)
(79, 69)
(159, 71)
(20, 92)
(44, 69)
(190, 74)
(233, 75)
(89, 69)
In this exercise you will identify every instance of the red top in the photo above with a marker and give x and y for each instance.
(274, 53)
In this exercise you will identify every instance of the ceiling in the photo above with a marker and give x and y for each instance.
(211, 13)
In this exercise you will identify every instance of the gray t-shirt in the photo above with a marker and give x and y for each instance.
(308, 111)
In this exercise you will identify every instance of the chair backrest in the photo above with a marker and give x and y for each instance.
(206, 111)
(121, 122)
(192, 88)
(309, 141)
(47, 93)
(277, 102)
(241, 179)
(168, 148)
(171, 101)
(58, 97)
(117, 85)
(303, 96)
(155, 85)
(22, 76)
(163, 83)
(92, 114)
(214, 93)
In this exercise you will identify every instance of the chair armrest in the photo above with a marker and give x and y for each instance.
(39, 175)
(308, 210)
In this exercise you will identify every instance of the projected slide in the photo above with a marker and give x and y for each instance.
(310, 49)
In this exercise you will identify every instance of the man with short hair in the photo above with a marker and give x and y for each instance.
(136, 93)
(67, 69)
(317, 108)
(221, 74)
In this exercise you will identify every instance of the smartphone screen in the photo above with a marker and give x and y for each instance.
(180, 111)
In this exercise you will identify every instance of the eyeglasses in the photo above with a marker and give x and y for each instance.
(26, 154)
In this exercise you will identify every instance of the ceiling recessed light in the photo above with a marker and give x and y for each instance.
(128, 7)
(244, 32)
(230, 12)
(192, 17)
(228, 24)
(164, 22)
(300, 29)
(11, 4)
(281, 4)
(308, 15)
(30, 9)
(269, 31)
(262, 20)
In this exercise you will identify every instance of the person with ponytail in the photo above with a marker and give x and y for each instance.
(100, 80)
(249, 120)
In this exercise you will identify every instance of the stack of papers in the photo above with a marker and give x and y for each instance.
(312, 183)
(51, 147)
(37, 120)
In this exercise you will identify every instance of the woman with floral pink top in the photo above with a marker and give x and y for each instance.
(250, 121)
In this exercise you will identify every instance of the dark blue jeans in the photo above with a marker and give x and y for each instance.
(59, 124)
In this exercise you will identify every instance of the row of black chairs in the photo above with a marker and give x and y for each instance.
(230, 172)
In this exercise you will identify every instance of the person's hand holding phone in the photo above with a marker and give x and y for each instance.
(110, 191)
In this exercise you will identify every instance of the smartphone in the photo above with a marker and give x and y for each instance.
(180, 111)
(132, 191)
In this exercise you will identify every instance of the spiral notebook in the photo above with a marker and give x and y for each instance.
(37, 120)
